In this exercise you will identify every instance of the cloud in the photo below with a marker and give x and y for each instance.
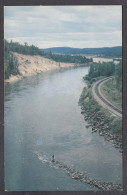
(52, 26)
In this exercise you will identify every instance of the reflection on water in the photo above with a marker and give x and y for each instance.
(42, 114)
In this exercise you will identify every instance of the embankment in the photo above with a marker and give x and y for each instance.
(30, 65)
(100, 119)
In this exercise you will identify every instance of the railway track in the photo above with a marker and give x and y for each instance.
(97, 93)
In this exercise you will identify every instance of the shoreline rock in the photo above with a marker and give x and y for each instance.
(101, 123)
(82, 176)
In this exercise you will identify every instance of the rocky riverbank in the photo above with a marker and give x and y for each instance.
(30, 65)
(80, 176)
(100, 119)
(84, 178)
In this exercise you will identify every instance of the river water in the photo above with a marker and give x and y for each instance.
(42, 118)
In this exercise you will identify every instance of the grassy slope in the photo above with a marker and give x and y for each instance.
(111, 93)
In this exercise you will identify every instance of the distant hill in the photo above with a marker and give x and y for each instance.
(107, 51)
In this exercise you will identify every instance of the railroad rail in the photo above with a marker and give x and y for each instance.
(111, 107)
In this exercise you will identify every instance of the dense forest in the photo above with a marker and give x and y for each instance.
(118, 76)
(69, 58)
(106, 69)
(10, 65)
(10, 62)
(23, 49)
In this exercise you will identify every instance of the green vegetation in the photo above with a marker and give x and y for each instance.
(112, 93)
(106, 69)
(101, 121)
(69, 58)
(112, 89)
(92, 108)
(22, 49)
(118, 76)
(117, 126)
(88, 101)
(10, 63)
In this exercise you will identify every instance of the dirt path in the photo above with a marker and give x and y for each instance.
(102, 100)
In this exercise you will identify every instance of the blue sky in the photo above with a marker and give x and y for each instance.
(58, 26)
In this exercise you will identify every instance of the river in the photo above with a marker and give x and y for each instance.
(42, 118)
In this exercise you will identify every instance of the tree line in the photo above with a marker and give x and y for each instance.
(118, 76)
(106, 69)
(69, 58)
(10, 63)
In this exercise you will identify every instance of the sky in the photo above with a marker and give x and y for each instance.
(64, 26)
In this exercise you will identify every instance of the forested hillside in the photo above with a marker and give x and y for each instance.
(10, 62)
(105, 51)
